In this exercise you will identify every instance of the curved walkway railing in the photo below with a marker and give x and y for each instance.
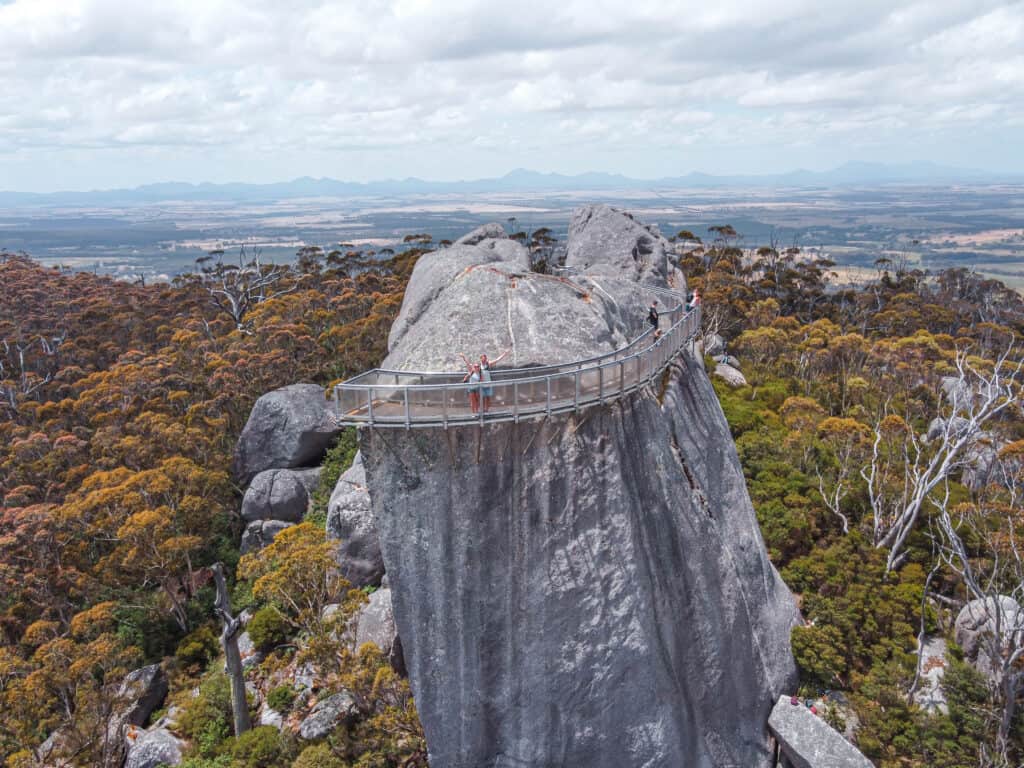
(406, 399)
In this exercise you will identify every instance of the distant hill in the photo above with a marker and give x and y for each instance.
(519, 180)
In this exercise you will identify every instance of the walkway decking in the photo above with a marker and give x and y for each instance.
(409, 399)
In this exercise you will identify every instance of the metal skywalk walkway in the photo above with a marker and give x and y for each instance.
(408, 399)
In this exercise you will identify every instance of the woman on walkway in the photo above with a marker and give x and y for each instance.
(474, 377)
(485, 372)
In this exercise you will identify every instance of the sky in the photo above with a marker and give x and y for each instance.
(112, 93)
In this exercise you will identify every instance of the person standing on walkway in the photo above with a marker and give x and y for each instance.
(652, 316)
(485, 374)
(473, 377)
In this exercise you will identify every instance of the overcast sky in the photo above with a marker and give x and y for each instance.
(106, 93)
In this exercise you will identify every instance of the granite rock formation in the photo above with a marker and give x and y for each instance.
(586, 590)
(280, 494)
(350, 520)
(807, 741)
(976, 627)
(287, 428)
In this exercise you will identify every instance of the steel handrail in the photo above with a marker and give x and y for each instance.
(363, 408)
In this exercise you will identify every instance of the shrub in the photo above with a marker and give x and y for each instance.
(281, 698)
(206, 719)
(319, 756)
(338, 459)
(198, 647)
(262, 747)
(268, 628)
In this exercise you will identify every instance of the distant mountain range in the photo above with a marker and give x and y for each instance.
(520, 180)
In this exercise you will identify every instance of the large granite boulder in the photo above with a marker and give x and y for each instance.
(436, 271)
(807, 741)
(142, 691)
(731, 376)
(327, 715)
(350, 520)
(259, 533)
(290, 427)
(153, 748)
(280, 494)
(588, 590)
(986, 625)
(608, 241)
(375, 622)
(490, 231)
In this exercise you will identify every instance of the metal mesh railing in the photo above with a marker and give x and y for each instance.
(407, 399)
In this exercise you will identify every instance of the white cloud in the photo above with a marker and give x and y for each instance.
(118, 91)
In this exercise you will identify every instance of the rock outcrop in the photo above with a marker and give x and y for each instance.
(280, 494)
(607, 241)
(375, 622)
(587, 590)
(287, 428)
(731, 376)
(988, 623)
(807, 741)
(144, 690)
(153, 748)
(350, 520)
(259, 533)
(328, 715)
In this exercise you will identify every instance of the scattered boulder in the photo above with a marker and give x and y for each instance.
(375, 622)
(929, 695)
(714, 345)
(152, 748)
(807, 741)
(271, 717)
(958, 393)
(981, 619)
(350, 520)
(730, 375)
(328, 715)
(143, 690)
(290, 427)
(251, 655)
(490, 231)
(259, 533)
(280, 494)
(304, 677)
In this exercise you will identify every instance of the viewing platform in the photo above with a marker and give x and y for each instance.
(415, 399)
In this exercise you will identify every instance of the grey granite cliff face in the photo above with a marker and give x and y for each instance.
(589, 590)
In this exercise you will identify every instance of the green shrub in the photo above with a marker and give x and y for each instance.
(206, 719)
(268, 628)
(281, 698)
(338, 459)
(198, 647)
(224, 761)
(262, 747)
(319, 756)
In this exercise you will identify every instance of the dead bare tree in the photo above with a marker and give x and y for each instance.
(905, 469)
(232, 657)
(235, 290)
(991, 571)
(17, 377)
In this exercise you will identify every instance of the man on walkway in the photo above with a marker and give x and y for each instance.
(652, 315)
